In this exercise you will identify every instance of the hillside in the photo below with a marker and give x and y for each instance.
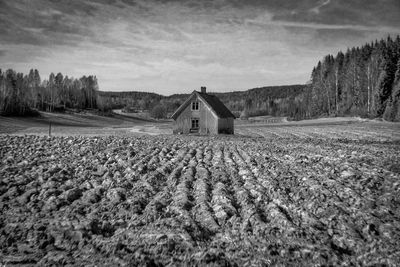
(135, 99)
(271, 100)
(69, 123)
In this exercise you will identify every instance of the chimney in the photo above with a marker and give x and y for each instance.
(203, 90)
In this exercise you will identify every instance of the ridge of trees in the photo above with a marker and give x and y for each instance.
(363, 81)
(134, 100)
(20, 94)
(270, 100)
(282, 100)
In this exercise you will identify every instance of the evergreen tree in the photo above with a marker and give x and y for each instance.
(359, 82)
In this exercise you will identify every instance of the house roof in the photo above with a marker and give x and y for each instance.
(211, 100)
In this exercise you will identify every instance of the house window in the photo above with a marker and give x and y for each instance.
(195, 105)
(195, 123)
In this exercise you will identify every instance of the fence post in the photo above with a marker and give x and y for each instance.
(50, 128)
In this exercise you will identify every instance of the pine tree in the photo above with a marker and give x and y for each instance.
(358, 82)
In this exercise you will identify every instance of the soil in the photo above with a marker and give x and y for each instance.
(288, 196)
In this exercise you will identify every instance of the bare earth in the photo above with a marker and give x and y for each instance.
(124, 192)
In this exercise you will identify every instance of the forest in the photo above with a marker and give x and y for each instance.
(272, 100)
(130, 100)
(25, 94)
(364, 81)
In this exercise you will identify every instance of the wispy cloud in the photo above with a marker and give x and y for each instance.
(322, 26)
(175, 46)
(318, 7)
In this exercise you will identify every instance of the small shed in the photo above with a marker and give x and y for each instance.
(203, 113)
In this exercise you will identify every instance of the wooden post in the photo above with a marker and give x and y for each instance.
(369, 91)
(49, 128)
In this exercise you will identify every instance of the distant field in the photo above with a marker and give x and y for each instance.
(138, 115)
(310, 193)
(265, 126)
(65, 124)
(332, 128)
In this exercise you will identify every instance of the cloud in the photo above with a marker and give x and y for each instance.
(320, 26)
(318, 7)
(171, 46)
(39, 24)
(340, 12)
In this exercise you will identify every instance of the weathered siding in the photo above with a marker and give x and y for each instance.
(207, 120)
(182, 123)
(225, 125)
(209, 123)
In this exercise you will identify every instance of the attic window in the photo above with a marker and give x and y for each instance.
(195, 105)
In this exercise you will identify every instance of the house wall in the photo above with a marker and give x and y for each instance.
(207, 119)
(226, 125)
(182, 123)
(209, 123)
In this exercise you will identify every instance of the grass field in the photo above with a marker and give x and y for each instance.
(64, 124)
(322, 192)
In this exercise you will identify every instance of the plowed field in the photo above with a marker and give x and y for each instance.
(304, 195)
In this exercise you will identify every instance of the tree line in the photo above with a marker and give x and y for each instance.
(363, 81)
(130, 100)
(271, 100)
(22, 94)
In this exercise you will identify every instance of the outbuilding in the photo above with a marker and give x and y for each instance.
(203, 113)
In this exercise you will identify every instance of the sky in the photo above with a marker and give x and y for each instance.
(172, 47)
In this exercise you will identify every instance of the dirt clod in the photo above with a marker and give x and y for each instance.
(178, 200)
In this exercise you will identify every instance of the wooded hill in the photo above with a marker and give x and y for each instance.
(130, 99)
(272, 100)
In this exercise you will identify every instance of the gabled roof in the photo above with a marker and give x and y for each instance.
(211, 100)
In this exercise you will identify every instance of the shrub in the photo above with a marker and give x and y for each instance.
(159, 112)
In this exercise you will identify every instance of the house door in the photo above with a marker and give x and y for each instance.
(195, 125)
